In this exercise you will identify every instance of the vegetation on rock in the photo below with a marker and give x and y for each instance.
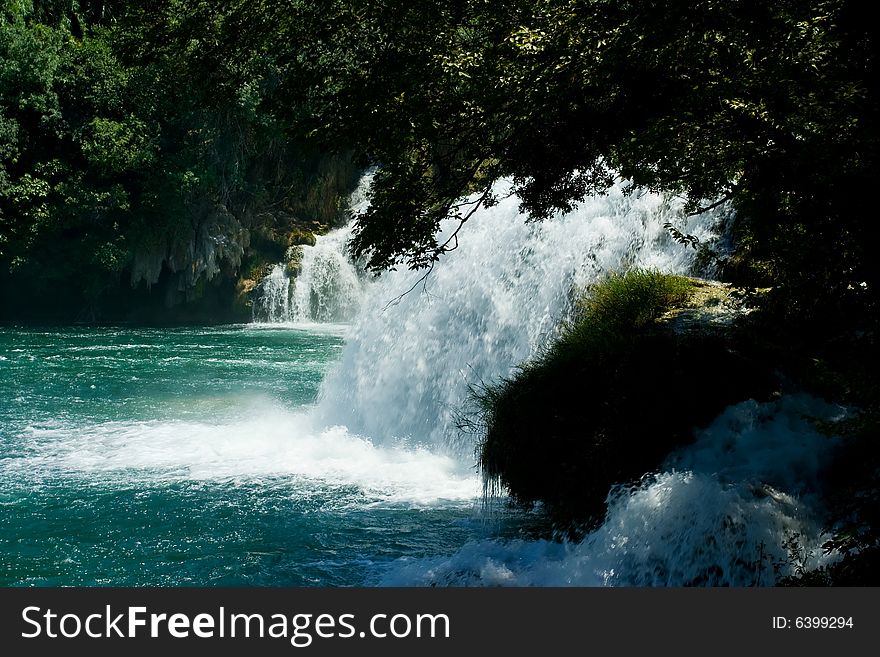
(609, 398)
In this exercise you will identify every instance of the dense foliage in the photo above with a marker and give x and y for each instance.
(122, 166)
(771, 105)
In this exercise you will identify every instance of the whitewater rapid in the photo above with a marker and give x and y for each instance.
(725, 511)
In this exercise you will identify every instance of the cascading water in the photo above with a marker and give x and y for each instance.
(736, 508)
(488, 306)
(328, 287)
(717, 514)
(272, 304)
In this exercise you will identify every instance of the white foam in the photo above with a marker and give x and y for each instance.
(273, 444)
(316, 328)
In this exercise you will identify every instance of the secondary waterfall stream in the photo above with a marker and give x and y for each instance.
(328, 288)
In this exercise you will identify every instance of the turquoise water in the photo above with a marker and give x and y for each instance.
(189, 457)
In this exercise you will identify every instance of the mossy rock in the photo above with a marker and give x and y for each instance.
(293, 261)
(242, 301)
(245, 287)
(607, 401)
(300, 237)
(267, 244)
(256, 270)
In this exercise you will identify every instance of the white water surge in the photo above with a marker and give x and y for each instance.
(488, 306)
(737, 508)
(271, 445)
(724, 511)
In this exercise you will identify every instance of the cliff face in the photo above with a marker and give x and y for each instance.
(197, 263)
(210, 272)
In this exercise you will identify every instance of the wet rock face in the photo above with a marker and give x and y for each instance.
(214, 243)
(713, 306)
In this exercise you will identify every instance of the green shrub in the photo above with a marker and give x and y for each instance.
(608, 399)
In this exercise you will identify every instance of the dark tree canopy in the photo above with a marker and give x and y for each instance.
(771, 105)
(130, 156)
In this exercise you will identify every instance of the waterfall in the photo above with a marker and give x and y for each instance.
(488, 306)
(724, 511)
(272, 304)
(329, 286)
